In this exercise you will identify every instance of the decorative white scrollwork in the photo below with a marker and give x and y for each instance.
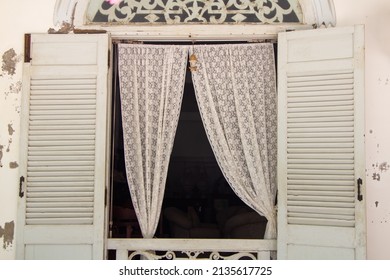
(237, 256)
(151, 255)
(192, 255)
(197, 11)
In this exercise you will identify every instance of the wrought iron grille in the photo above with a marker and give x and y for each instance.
(195, 11)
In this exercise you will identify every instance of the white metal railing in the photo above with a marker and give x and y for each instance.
(214, 249)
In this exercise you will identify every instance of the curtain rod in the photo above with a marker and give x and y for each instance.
(131, 41)
(126, 41)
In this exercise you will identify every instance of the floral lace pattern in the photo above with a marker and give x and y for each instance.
(151, 87)
(236, 93)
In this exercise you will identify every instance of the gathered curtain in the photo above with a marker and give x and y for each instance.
(236, 94)
(151, 82)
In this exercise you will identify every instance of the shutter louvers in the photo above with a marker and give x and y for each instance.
(61, 163)
(320, 149)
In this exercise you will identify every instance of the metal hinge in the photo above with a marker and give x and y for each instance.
(21, 183)
(359, 186)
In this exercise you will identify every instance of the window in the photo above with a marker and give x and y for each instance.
(198, 201)
(321, 126)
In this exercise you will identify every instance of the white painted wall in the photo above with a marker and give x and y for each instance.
(16, 18)
(19, 17)
(375, 14)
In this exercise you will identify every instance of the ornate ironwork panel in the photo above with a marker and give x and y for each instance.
(192, 255)
(194, 11)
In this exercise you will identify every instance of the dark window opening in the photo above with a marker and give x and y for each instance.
(198, 202)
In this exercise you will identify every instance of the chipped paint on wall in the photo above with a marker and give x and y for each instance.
(378, 169)
(17, 109)
(9, 61)
(14, 88)
(383, 167)
(13, 165)
(376, 176)
(1, 154)
(384, 81)
(9, 145)
(7, 233)
(10, 94)
(11, 130)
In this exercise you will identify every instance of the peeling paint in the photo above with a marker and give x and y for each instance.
(1, 154)
(384, 81)
(8, 234)
(13, 165)
(11, 130)
(383, 167)
(10, 59)
(14, 88)
(376, 176)
(9, 145)
(379, 169)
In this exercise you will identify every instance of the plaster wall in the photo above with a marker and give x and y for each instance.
(375, 15)
(17, 18)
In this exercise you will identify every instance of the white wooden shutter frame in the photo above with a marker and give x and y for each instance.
(63, 155)
(321, 144)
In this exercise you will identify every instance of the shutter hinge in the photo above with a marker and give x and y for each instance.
(21, 183)
(27, 48)
(359, 186)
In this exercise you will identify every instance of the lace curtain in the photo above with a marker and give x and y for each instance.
(235, 91)
(151, 87)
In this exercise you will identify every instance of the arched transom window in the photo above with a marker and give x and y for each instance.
(194, 11)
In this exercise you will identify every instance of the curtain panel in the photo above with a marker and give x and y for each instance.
(151, 88)
(236, 93)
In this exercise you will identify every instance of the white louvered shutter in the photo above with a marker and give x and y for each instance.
(61, 211)
(321, 144)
